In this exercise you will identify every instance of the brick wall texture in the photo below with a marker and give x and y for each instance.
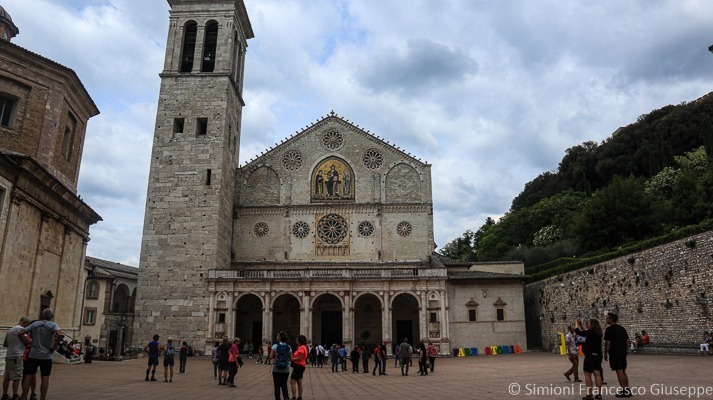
(665, 290)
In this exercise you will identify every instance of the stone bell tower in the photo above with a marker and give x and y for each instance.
(189, 204)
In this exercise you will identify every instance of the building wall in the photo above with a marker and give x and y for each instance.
(665, 291)
(486, 331)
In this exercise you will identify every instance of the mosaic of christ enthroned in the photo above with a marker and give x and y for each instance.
(332, 180)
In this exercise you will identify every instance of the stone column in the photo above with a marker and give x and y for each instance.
(267, 317)
(198, 55)
(386, 313)
(120, 330)
(347, 325)
(211, 319)
(423, 321)
(230, 317)
(306, 324)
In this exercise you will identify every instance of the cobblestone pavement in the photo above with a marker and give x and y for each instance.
(483, 377)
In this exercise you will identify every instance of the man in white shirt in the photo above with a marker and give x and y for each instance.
(13, 360)
(46, 335)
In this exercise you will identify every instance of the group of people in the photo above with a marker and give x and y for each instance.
(30, 345)
(155, 350)
(616, 344)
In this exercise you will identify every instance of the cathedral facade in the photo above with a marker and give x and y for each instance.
(328, 234)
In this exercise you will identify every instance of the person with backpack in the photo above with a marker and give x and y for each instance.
(169, 361)
(233, 357)
(281, 356)
(299, 364)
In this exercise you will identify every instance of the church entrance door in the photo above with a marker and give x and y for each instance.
(405, 319)
(286, 316)
(367, 320)
(248, 312)
(327, 320)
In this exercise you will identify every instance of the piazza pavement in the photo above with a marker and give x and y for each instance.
(528, 375)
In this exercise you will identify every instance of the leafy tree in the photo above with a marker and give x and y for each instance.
(462, 248)
(616, 214)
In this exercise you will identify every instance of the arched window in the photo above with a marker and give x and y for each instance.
(93, 290)
(189, 46)
(209, 47)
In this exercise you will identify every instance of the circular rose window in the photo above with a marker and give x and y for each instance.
(372, 159)
(332, 140)
(261, 229)
(292, 160)
(366, 229)
(404, 228)
(300, 229)
(332, 229)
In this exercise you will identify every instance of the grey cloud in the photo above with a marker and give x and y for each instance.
(425, 64)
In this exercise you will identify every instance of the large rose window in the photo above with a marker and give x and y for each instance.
(332, 229)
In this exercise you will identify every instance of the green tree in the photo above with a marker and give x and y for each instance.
(616, 214)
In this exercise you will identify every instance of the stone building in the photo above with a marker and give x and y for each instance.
(109, 299)
(328, 234)
(44, 224)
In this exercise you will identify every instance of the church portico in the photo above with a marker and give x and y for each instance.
(363, 311)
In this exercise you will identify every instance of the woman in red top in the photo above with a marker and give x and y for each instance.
(299, 364)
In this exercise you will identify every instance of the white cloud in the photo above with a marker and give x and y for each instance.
(490, 93)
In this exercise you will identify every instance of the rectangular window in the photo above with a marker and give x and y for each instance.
(501, 314)
(202, 126)
(7, 105)
(471, 315)
(221, 318)
(433, 318)
(207, 177)
(178, 125)
(68, 136)
(90, 315)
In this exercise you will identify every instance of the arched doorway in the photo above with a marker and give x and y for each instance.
(248, 319)
(327, 320)
(405, 319)
(285, 316)
(367, 320)
(122, 300)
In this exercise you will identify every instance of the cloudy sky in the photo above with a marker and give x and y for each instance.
(490, 92)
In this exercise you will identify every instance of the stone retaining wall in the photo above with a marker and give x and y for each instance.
(665, 290)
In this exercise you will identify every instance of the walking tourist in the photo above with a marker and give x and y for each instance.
(223, 357)
(320, 355)
(405, 353)
(153, 348)
(354, 355)
(334, 357)
(365, 359)
(281, 356)
(432, 354)
(182, 357)
(343, 358)
(313, 356)
(422, 359)
(397, 355)
(214, 358)
(13, 359)
(46, 335)
(377, 360)
(382, 347)
(706, 342)
(572, 354)
(233, 359)
(616, 344)
(169, 354)
(299, 364)
(592, 349)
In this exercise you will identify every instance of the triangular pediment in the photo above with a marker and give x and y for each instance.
(319, 132)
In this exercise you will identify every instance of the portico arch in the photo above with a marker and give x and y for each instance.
(367, 320)
(405, 318)
(286, 315)
(327, 316)
(248, 319)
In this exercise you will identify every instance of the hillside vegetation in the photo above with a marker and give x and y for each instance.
(648, 181)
